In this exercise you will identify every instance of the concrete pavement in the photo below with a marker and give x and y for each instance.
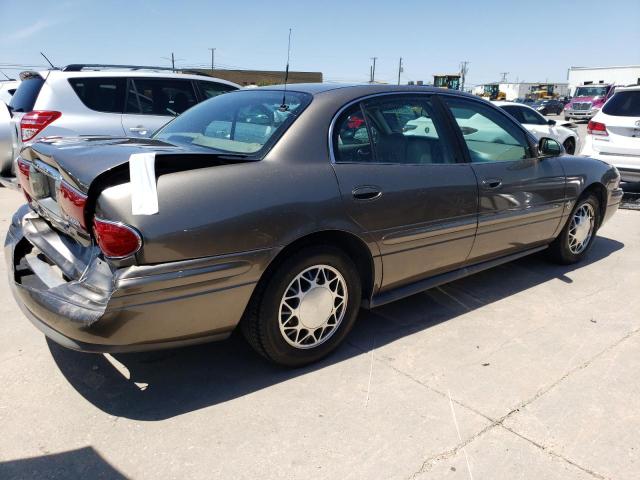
(529, 370)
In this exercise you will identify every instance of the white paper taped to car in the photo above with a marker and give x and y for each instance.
(144, 195)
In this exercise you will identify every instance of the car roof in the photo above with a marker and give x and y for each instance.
(361, 89)
(501, 103)
(129, 73)
(627, 89)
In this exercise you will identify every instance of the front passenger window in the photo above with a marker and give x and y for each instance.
(489, 135)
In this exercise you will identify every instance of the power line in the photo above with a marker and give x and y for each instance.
(504, 76)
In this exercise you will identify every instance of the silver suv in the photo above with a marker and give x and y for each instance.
(114, 100)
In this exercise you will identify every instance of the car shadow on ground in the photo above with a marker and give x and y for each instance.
(81, 463)
(160, 385)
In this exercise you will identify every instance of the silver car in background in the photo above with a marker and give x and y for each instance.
(113, 100)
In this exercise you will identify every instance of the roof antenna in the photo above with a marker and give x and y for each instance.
(284, 107)
(48, 61)
(5, 75)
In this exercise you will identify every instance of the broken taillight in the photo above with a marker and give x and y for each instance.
(115, 239)
(23, 177)
(34, 122)
(72, 203)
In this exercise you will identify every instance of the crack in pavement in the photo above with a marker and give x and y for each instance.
(430, 462)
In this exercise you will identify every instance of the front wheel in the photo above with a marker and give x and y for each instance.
(305, 309)
(578, 234)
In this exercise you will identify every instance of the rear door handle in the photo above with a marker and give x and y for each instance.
(366, 192)
(491, 183)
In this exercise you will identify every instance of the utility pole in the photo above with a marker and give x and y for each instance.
(373, 69)
(213, 57)
(173, 61)
(464, 68)
(504, 77)
(399, 70)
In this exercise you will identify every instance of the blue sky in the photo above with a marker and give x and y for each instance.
(533, 41)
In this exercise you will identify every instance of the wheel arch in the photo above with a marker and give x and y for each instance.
(349, 243)
(600, 191)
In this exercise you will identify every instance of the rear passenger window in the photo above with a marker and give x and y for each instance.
(151, 96)
(390, 130)
(489, 135)
(213, 89)
(351, 137)
(100, 94)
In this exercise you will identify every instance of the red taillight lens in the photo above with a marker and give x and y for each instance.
(23, 177)
(72, 202)
(34, 122)
(116, 240)
(597, 128)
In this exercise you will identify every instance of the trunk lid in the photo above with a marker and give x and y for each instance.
(623, 138)
(64, 177)
(81, 160)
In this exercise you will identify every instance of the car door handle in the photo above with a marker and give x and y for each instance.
(140, 129)
(366, 192)
(491, 183)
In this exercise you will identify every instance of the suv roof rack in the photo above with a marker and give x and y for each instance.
(78, 67)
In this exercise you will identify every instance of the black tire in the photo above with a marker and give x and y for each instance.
(560, 249)
(569, 146)
(566, 119)
(261, 322)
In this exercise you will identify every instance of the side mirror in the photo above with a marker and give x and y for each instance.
(551, 122)
(548, 147)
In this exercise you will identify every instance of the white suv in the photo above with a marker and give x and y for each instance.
(613, 134)
(113, 100)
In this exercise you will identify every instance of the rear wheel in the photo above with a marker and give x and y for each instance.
(305, 309)
(569, 146)
(578, 234)
(566, 119)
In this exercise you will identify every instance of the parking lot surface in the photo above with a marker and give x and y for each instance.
(529, 370)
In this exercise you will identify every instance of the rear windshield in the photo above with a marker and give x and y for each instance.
(242, 122)
(25, 97)
(624, 104)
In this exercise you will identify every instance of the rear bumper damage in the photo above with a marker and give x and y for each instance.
(82, 302)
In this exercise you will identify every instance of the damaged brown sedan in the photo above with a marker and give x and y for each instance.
(283, 212)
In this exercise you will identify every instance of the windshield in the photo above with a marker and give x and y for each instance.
(591, 91)
(242, 122)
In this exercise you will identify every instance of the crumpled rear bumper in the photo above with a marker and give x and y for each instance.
(82, 302)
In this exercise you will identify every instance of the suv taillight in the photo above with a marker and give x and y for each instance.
(597, 128)
(34, 122)
(116, 240)
(72, 202)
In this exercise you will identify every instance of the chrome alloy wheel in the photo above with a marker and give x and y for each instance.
(581, 228)
(313, 306)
